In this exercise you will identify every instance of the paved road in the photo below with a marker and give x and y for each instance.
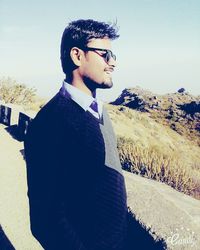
(14, 211)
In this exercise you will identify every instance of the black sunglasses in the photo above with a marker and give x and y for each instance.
(107, 56)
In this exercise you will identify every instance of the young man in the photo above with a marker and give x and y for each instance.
(76, 188)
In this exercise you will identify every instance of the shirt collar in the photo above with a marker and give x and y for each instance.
(80, 97)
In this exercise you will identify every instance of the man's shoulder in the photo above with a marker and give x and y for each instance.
(57, 116)
(58, 105)
(58, 102)
(60, 112)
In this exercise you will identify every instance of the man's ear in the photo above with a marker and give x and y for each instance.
(76, 55)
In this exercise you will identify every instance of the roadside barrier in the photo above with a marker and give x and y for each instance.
(23, 121)
(5, 115)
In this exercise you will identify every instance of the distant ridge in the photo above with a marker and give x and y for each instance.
(180, 110)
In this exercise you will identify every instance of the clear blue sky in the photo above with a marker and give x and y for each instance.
(158, 48)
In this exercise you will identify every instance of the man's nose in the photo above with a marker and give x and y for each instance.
(112, 62)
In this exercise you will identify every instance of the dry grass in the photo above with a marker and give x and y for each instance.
(156, 151)
(16, 93)
(13, 92)
(150, 164)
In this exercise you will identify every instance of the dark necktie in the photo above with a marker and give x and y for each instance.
(94, 107)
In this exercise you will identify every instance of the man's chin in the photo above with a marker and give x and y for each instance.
(106, 85)
(92, 85)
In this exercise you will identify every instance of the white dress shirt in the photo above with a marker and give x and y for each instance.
(81, 98)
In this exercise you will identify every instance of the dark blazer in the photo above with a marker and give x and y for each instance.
(76, 200)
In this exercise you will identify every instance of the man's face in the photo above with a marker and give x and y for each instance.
(95, 71)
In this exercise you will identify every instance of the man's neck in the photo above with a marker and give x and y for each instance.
(81, 86)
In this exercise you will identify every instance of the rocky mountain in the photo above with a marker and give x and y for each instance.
(180, 111)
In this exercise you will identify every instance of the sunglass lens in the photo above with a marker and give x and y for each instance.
(109, 54)
(114, 57)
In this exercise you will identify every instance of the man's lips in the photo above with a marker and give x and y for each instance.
(109, 71)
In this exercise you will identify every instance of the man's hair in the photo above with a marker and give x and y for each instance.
(78, 33)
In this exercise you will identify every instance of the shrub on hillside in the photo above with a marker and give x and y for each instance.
(17, 93)
(148, 163)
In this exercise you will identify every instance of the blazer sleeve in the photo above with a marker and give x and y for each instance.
(50, 223)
